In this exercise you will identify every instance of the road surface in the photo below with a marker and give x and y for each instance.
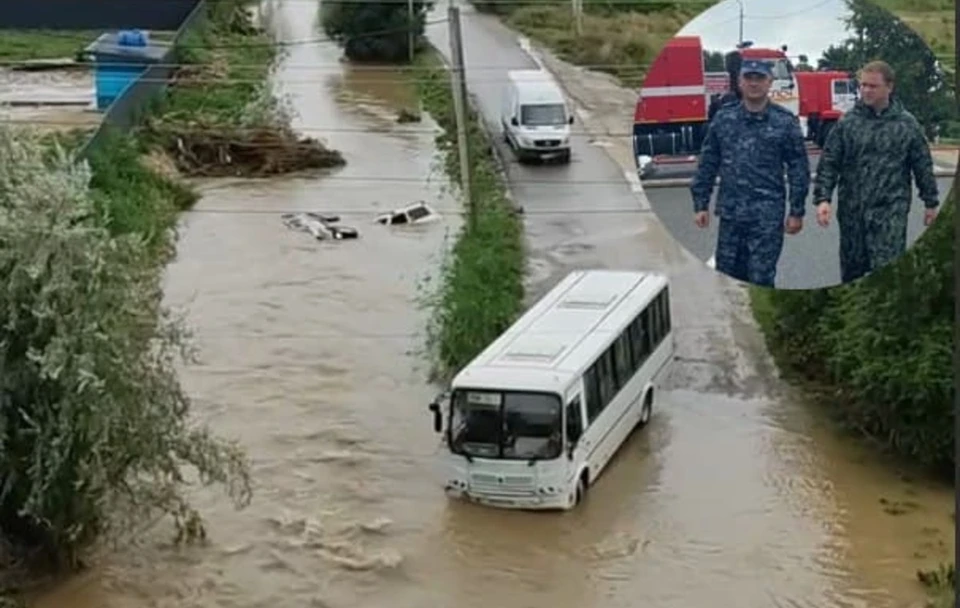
(810, 260)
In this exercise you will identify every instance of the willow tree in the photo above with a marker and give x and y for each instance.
(95, 429)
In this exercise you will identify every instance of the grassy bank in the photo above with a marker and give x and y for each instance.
(622, 39)
(23, 45)
(481, 285)
(618, 42)
(220, 117)
(940, 584)
(877, 356)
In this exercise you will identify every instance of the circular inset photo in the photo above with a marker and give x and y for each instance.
(798, 147)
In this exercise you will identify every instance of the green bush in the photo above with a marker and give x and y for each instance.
(375, 31)
(95, 430)
(132, 197)
(884, 346)
(481, 289)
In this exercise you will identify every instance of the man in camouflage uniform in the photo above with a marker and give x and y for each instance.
(748, 144)
(870, 154)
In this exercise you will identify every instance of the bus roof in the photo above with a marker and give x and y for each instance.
(551, 344)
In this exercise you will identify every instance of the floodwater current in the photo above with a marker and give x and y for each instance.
(309, 357)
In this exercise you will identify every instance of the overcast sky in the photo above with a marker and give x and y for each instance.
(807, 27)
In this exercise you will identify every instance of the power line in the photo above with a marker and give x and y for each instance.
(339, 68)
(299, 130)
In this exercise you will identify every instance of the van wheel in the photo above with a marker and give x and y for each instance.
(565, 158)
(647, 411)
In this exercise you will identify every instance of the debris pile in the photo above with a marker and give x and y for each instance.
(220, 151)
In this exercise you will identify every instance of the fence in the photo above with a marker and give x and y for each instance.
(128, 108)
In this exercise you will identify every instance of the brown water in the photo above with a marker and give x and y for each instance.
(308, 357)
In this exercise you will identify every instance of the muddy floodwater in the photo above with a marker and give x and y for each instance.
(309, 357)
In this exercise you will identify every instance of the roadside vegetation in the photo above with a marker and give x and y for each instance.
(219, 117)
(878, 351)
(941, 583)
(480, 291)
(623, 38)
(377, 32)
(25, 45)
(618, 38)
(96, 434)
(877, 355)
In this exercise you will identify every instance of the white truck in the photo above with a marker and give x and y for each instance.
(535, 117)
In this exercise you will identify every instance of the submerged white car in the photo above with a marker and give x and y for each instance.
(322, 227)
(414, 213)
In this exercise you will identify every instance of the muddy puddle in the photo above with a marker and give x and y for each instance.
(731, 497)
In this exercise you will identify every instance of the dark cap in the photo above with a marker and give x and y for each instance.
(756, 66)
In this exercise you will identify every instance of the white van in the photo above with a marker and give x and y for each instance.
(535, 117)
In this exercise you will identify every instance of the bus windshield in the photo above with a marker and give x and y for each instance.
(506, 424)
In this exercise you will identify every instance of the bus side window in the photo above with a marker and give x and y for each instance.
(574, 421)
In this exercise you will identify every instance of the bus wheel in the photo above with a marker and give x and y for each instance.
(581, 490)
(647, 410)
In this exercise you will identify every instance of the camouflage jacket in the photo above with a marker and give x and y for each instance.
(871, 156)
(749, 151)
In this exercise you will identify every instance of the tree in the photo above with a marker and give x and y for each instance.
(713, 61)
(376, 31)
(922, 85)
(94, 426)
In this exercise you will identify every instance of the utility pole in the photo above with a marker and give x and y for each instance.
(577, 6)
(740, 4)
(459, 84)
(410, 27)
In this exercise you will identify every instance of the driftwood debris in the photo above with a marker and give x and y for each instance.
(207, 151)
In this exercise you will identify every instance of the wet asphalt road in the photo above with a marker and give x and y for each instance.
(809, 260)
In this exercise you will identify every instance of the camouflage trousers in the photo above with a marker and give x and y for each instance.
(871, 239)
(749, 251)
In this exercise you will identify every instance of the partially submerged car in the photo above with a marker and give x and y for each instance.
(414, 213)
(322, 227)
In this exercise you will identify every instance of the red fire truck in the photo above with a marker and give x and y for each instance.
(673, 110)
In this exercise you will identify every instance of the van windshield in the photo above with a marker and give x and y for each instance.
(543, 115)
(510, 424)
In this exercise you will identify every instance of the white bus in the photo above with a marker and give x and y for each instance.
(533, 420)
